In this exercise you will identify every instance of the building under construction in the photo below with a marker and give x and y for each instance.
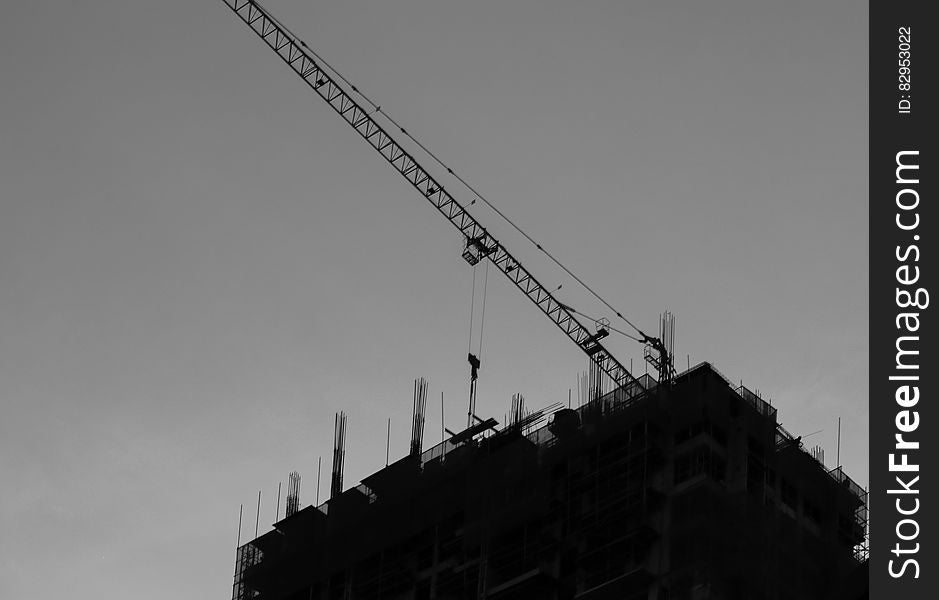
(689, 490)
(680, 486)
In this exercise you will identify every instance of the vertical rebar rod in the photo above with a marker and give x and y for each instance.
(257, 519)
(339, 453)
(277, 510)
(241, 508)
(388, 443)
(319, 464)
(838, 447)
(293, 494)
(417, 416)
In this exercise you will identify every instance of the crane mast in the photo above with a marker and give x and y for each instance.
(480, 245)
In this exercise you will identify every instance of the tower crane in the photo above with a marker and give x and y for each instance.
(479, 243)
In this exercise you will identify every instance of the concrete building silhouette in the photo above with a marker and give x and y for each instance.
(687, 491)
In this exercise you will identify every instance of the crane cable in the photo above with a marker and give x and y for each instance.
(469, 342)
(482, 317)
(378, 109)
(610, 327)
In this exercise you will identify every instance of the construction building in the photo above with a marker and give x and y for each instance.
(687, 490)
(681, 486)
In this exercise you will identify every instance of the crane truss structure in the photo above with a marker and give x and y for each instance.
(480, 244)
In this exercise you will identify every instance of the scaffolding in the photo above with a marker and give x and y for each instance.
(247, 556)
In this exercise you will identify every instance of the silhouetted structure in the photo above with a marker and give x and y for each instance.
(688, 491)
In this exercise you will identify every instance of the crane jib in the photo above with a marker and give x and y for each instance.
(290, 50)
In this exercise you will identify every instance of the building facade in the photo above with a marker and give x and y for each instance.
(686, 491)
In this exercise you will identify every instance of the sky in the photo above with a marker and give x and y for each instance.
(200, 263)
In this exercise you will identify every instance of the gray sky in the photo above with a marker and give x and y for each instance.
(200, 262)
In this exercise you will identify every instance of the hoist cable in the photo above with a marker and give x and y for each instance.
(469, 343)
(482, 317)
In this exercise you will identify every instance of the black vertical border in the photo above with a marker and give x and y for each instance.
(892, 132)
